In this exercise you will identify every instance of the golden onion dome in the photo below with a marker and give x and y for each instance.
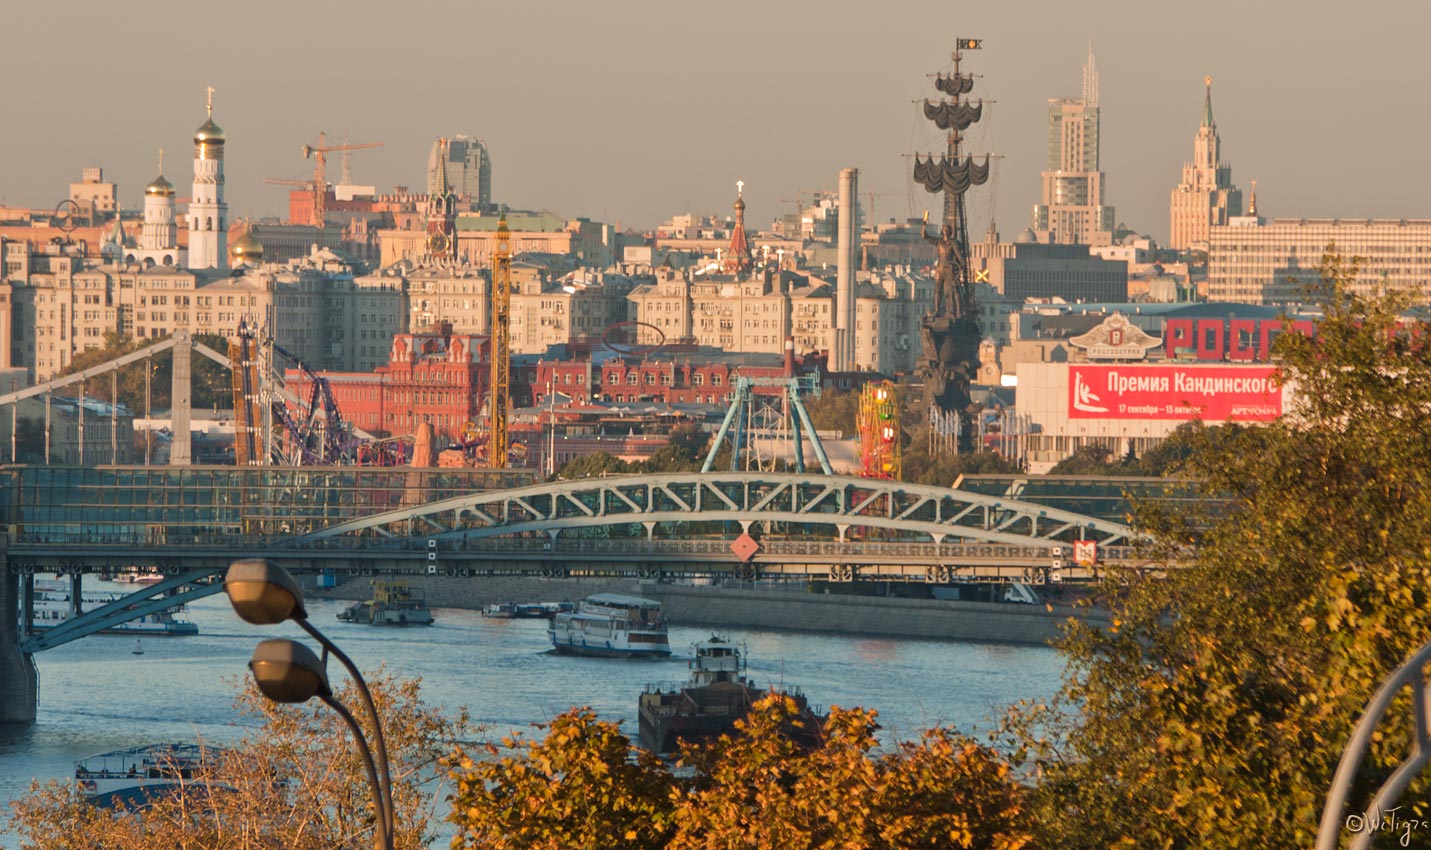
(247, 248)
(739, 203)
(161, 187)
(210, 134)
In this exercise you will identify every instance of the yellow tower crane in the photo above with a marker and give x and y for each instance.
(319, 153)
(500, 395)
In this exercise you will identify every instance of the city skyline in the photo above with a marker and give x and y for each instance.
(644, 112)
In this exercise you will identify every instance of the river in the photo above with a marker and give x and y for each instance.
(96, 695)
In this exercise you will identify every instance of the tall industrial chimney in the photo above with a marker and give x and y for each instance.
(844, 354)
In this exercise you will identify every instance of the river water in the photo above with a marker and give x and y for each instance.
(96, 695)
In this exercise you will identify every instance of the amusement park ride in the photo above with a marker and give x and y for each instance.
(879, 431)
(272, 428)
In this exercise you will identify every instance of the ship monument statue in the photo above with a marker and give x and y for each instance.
(949, 336)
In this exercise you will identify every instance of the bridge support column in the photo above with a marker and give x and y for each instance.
(180, 449)
(19, 682)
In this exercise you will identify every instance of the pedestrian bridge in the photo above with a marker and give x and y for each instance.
(87, 520)
(858, 513)
(191, 523)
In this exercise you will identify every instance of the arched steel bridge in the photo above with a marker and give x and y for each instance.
(684, 524)
(911, 512)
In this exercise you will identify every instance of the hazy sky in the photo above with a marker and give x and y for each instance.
(633, 111)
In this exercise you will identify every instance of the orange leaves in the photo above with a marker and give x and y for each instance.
(755, 788)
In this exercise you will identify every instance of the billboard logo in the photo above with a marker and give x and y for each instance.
(1084, 398)
(1116, 338)
(1174, 392)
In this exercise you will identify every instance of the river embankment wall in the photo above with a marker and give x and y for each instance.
(789, 606)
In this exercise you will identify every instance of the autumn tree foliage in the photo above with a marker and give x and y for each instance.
(1214, 711)
(757, 787)
(294, 782)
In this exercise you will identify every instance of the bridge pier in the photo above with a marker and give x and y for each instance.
(180, 446)
(19, 681)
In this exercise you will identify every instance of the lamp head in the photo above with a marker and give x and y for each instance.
(287, 671)
(263, 593)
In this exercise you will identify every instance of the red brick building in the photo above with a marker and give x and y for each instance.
(438, 377)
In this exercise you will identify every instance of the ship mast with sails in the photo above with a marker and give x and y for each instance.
(950, 334)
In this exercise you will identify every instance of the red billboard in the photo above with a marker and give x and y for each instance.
(1209, 393)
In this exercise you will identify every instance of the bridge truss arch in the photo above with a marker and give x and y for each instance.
(834, 507)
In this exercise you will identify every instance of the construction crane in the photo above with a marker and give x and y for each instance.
(500, 395)
(799, 202)
(319, 154)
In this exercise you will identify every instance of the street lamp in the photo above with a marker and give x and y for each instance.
(286, 671)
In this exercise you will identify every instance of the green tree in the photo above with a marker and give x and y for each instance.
(942, 469)
(1087, 459)
(835, 410)
(685, 452)
(1213, 711)
(210, 383)
(294, 782)
(594, 465)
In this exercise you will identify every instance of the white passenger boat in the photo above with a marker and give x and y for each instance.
(611, 624)
(53, 607)
(131, 777)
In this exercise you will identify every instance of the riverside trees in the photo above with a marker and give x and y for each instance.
(295, 782)
(1214, 711)
(579, 788)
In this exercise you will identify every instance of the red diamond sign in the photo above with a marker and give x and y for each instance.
(744, 547)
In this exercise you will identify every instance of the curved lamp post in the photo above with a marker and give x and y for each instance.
(286, 671)
(1367, 825)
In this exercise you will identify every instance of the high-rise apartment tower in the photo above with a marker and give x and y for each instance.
(1072, 209)
(468, 169)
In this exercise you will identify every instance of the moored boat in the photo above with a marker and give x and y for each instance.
(500, 610)
(144, 577)
(53, 606)
(526, 610)
(133, 776)
(613, 625)
(707, 706)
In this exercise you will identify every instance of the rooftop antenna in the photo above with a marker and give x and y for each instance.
(1090, 79)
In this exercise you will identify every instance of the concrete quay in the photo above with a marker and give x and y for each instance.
(782, 607)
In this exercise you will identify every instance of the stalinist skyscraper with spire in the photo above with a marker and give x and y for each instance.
(1072, 208)
(1206, 197)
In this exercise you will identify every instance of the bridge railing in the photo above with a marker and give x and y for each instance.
(539, 545)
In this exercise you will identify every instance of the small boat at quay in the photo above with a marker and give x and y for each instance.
(612, 625)
(526, 610)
